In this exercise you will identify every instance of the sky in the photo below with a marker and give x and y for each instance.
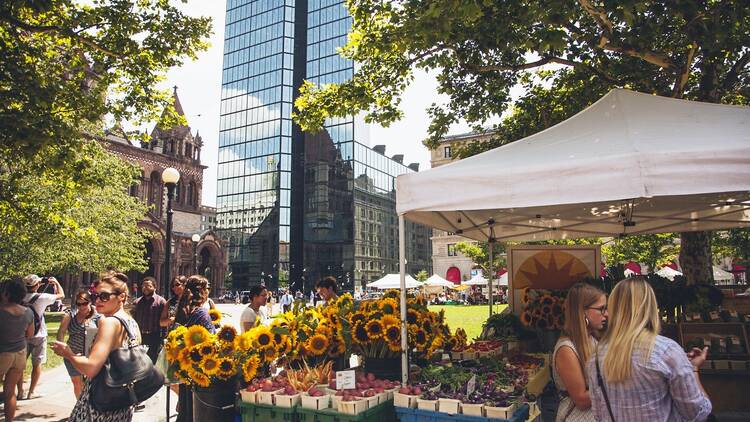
(199, 89)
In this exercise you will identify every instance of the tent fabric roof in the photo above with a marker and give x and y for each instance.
(436, 280)
(720, 274)
(393, 281)
(631, 163)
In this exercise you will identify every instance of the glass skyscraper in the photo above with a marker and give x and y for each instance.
(294, 207)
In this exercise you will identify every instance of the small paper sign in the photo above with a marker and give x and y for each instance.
(345, 380)
(471, 386)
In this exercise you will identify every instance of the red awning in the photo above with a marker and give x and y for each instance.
(634, 267)
(672, 265)
(738, 268)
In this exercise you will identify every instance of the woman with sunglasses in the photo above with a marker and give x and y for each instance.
(110, 297)
(169, 312)
(74, 323)
(585, 317)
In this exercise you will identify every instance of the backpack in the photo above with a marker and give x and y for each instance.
(37, 317)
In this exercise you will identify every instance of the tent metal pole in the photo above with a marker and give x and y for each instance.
(402, 276)
(489, 282)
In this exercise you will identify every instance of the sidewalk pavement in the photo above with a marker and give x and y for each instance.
(57, 401)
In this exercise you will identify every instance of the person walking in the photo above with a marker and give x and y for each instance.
(74, 323)
(147, 311)
(286, 301)
(110, 297)
(585, 317)
(18, 326)
(190, 311)
(250, 316)
(635, 374)
(37, 346)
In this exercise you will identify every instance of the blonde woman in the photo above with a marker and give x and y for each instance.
(585, 317)
(637, 375)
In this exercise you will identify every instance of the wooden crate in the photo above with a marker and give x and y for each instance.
(690, 331)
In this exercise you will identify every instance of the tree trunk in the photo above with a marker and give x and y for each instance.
(695, 257)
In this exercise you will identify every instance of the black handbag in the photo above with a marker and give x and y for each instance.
(127, 378)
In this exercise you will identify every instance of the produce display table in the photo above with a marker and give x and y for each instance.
(252, 412)
(406, 414)
(539, 380)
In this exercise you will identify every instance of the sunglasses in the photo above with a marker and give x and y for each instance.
(81, 303)
(104, 296)
(601, 309)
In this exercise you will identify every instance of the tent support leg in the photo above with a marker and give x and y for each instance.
(490, 247)
(402, 276)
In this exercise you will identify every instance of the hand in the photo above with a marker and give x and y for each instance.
(697, 356)
(62, 349)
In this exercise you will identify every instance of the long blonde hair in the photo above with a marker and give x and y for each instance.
(634, 323)
(580, 296)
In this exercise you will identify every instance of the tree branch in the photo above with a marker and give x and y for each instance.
(652, 57)
(495, 68)
(734, 73)
(65, 32)
(682, 78)
(601, 18)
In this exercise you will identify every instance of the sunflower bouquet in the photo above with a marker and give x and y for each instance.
(544, 309)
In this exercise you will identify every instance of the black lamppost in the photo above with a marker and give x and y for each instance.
(170, 176)
(195, 238)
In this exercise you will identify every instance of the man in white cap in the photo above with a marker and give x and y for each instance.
(37, 345)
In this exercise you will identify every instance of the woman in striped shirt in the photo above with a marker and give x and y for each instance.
(637, 375)
(74, 323)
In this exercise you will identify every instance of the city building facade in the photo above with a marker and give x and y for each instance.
(446, 261)
(295, 207)
(174, 147)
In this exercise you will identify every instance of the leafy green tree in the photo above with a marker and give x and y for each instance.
(421, 276)
(479, 253)
(65, 66)
(566, 54)
(65, 222)
(654, 250)
(733, 243)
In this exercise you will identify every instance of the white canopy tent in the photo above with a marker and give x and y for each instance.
(437, 281)
(721, 275)
(477, 280)
(631, 163)
(668, 273)
(392, 281)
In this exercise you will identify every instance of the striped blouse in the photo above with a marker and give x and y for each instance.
(77, 331)
(662, 387)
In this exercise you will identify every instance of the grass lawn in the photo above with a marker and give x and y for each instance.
(470, 318)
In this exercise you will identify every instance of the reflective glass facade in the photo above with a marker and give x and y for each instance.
(294, 206)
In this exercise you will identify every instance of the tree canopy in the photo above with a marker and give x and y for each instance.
(566, 55)
(65, 67)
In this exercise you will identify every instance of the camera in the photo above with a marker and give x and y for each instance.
(45, 280)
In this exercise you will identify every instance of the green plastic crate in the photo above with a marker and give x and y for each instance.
(264, 413)
(383, 412)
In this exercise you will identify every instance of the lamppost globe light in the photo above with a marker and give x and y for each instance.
(196, 237)
(170, 175)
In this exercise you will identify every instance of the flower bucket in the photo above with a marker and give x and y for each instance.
(547, 340)
(215, 402)
(384, 368)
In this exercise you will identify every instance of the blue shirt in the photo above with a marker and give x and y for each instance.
(662, 387)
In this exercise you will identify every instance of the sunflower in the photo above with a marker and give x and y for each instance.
(375, 329)
(263, 337)
(184, 358)
(215, 315)
(200, 379)
(526, 318)
(390, 320)
(206, 349)
(546, 310)
(357, 317)
(420, 338)
(172, 353)
(427, 326)
(177, 334)
(324, 331)
(317, 344)
(345, 301)
(412, 316)
(209, 365)
(389, 306)
(195, 355)
(244, 341)
(359, 334)
(250, 368)
(227, 334)
(542, 324)
(270, 354)
(393, 334)
(226, 368)
(196, 335)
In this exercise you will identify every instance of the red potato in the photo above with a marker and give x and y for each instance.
(371, 377)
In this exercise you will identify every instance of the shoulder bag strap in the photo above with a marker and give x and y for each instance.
(33, 299)
(600, 381)
(126, 327)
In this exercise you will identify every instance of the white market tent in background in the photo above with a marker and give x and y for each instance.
(477, 280)
(668, 273)
(721, 275)
(631, 163)
(392, 281)
(437, 281)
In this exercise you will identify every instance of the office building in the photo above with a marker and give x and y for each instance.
(295, 207)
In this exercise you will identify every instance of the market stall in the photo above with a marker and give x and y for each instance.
(625, 165)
